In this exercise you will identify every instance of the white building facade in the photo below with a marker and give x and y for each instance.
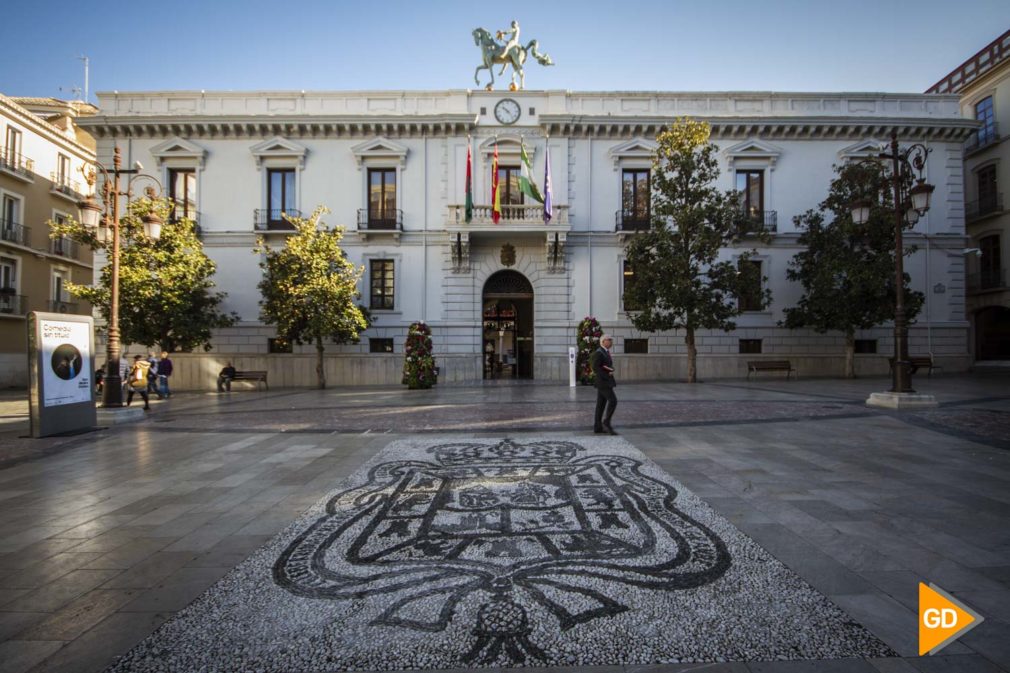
(505, 299)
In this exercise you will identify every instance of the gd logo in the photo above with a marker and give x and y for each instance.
(942, 619)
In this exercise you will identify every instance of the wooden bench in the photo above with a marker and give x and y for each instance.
(769, 366)
(253, 375)
(918, 362)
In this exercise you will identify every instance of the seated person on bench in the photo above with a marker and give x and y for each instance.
(224, 379)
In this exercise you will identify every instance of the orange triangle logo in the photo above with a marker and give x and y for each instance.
(942, 619)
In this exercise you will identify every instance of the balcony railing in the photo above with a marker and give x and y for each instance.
(14, 162)
(523, 216)
(974, 210)
(65, 186)
(62, 306)
(754, 221)
(12, 232)
(181, 209)
(64, 247)
(272, 220)
(986, 135)
(12, 304)
(389, 220)
(631, 220)
(987, 279)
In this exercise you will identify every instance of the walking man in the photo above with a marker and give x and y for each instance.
(606, 398)
(137, 381)
(164, 371)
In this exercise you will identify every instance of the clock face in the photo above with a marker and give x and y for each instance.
(507, 111)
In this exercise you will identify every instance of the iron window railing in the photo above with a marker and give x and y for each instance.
(64, 247)
(15, 162)
(266, 219)
(64, 185)
(632, 220)
(992, 203)
(12, 304)
(981, 137)
(759, 220)
(389, 220)
(987, 279)
(12, 232)
(62, 306)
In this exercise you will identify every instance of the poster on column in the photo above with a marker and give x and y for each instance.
(61, 373)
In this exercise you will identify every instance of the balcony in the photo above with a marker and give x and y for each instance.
(181, 210)
(12, 304)
(983, 137)
(515, 218)
(265, 219)
(12, 232)
(976, 210)
(63, 247)
(65, 188)
(386, 222)
(755, 221)
(630, 221)
(17, 165)
(62, 306)
(987, 279)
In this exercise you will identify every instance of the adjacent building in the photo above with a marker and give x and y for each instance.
(504, 299)
(41, 156)
(983, 83)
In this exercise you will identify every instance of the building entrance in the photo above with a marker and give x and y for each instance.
(508, 326)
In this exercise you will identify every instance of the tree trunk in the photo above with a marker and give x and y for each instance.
(850, 355)
(692, 356)
(320, 369)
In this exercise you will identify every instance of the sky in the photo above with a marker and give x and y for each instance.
(721, 45)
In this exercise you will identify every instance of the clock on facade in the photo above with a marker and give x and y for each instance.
(507, 111)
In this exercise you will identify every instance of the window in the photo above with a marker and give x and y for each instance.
(866, 346)
(750, 346)
(987, 190)
(62, 170)
(508, 185)
(280, 194)
(382, 197)
(182, 192)
(62, 245)
(636, 346)
(381, 282)
(628, 275)
(12, 146)
(750, 297)
(278, 345)
(8, 285)
(635, 198)
(990, 263)
(983, 113)
(11, 210)
(380, 345)
(751, 185)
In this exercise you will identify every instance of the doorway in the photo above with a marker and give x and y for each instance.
(507, 326)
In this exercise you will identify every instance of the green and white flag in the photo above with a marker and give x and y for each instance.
(526, 184)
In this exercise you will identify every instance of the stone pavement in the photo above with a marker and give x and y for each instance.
(104, 536)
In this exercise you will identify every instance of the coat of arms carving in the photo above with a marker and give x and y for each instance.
(508, 254)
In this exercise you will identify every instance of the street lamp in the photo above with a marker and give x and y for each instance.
(103, 221)
(910, 203)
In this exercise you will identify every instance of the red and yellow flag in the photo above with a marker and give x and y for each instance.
(495, 192)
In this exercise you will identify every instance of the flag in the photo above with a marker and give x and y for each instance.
(469, 183)
(495, 192)
(526, 184)
(548, 205)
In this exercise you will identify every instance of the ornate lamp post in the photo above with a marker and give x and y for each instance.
(911, 201)
(104, 221)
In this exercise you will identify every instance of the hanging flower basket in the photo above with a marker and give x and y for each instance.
(588, 338)
(418, 364)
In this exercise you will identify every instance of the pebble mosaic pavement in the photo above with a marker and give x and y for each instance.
(444, 552)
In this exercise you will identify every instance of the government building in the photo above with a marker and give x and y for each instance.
(504, 299)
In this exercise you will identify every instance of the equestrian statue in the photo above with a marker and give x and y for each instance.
(511, 53)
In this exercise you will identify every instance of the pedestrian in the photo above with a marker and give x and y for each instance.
(152, 374)
(225, 378)
(138, 381)
(164, 371)
(606, 398)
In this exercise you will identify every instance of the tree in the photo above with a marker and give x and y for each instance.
(847, 270)
(166, 293)
(679, 280)
(309, 288)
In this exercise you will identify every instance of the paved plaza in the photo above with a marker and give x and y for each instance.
(733, 526)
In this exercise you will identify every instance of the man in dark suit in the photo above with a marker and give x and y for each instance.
(603, 368)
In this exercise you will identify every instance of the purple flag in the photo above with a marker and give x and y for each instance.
(548, 192)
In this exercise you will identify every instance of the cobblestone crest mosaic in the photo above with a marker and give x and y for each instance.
(540, 551)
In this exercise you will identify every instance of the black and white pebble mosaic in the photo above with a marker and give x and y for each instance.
(445, 553)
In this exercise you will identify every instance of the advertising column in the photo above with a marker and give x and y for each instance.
(61, 370)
